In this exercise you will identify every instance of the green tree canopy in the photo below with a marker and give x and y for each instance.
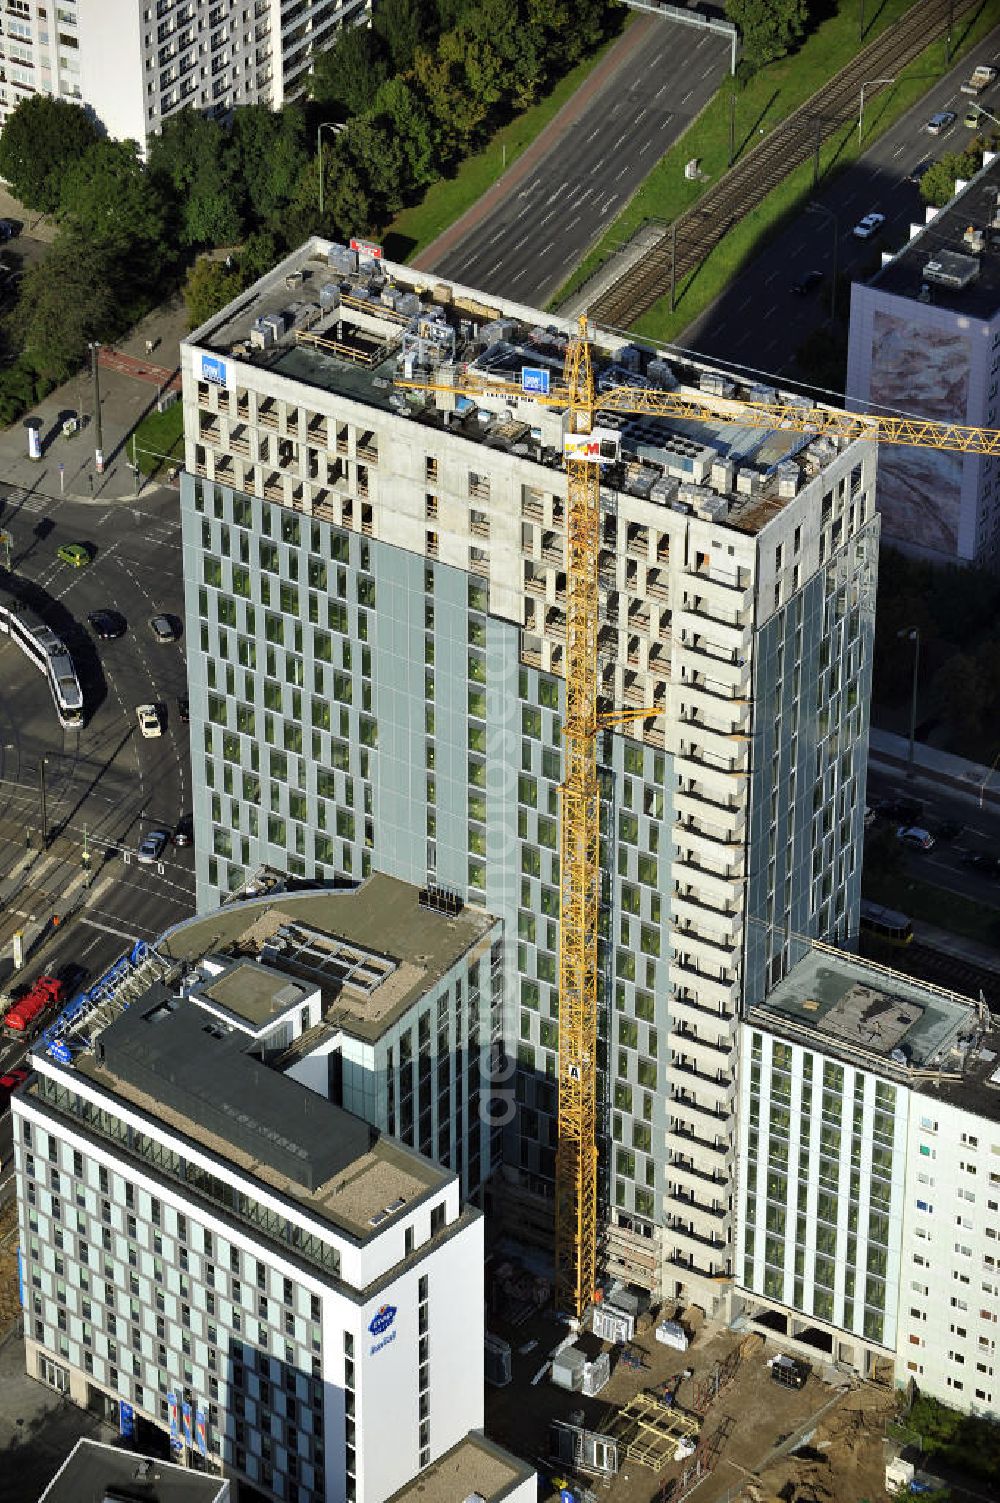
(40, 139)
(266, 153)
(937, 185)
(210, 284)
(768, 29)
(67, 300)
(347, 77)
(189, 166)
(109, 198)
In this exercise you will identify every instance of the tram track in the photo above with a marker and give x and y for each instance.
(685, 244)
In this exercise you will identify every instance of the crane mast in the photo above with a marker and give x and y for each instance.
(579, 808)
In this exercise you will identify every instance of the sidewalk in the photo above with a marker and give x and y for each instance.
(66, 468)
(933, 768)
(632, 41)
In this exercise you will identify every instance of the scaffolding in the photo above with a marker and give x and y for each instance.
(650, 1433)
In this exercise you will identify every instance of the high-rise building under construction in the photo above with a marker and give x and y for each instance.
(376, 588)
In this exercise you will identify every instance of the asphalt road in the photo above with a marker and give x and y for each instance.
(105, 785)
(528, 246)
(759, 322)
(944, 866)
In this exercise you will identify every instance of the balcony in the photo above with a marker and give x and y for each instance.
(723, 886)
(637, 541)
(700, 1182)
(719, 783)
(729, 712)
(728, 819)
(267, 415)
(707, 1051)
(732, 672)
(697, 735)
(687, 909)
(729, 632)
(714, 844)
(702, 1009)
(691, 1138)
(710, 592)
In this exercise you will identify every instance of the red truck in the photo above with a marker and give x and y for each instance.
(23, 1019)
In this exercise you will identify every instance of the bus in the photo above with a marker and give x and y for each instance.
(885, 923)
(50, 655)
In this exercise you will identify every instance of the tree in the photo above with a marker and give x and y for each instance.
(40, 140)
(345, 198)
(937, 185)
(211, 284)
(109, 198)
(768, 29)
(266, 154)
(402, 26)
(189, 166)
(66, 301)
(401, 112)
(347, 78)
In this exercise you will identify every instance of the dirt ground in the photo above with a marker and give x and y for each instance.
(838, 1432)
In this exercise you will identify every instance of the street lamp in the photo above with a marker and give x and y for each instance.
(336, 126)
(872, 83)
(41, 798)
(94, 346)
(912, 634)
(815, 207)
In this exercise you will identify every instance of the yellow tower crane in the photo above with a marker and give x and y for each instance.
(576, 1149)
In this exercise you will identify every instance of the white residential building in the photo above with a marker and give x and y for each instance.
(925, 341)
(214, 1248)
(136, 62)
(869, 1205)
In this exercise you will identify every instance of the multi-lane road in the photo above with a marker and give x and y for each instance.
(759, 321)
(105, 786)
(527, 246)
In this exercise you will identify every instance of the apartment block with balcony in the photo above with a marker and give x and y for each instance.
(376, 602)
(137, 62)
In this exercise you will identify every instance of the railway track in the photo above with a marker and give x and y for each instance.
(924, 963)
(686, 243)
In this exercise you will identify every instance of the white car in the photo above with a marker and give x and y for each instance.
(149, 721)
(869, 226)
(151, 847)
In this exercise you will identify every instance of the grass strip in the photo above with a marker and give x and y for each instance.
(416, 227)
(159, 439)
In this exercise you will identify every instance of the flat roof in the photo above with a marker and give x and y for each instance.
(474, 1465)
(254, 992)
(372, 950)
(92, 1471)
(352, 327)
(164, 1056)
(851, 1007)
(974, 206)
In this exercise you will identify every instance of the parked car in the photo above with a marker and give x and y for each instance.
(940, 122)
(149, 721)
(77, 555)
(869, 226)
(917, 172)
(971, 117)
(916, 837)
(151, 847)
(9, 229)
(108, 624)
(164, 628)
(905, 811)
(184, 709)
(807, 283)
